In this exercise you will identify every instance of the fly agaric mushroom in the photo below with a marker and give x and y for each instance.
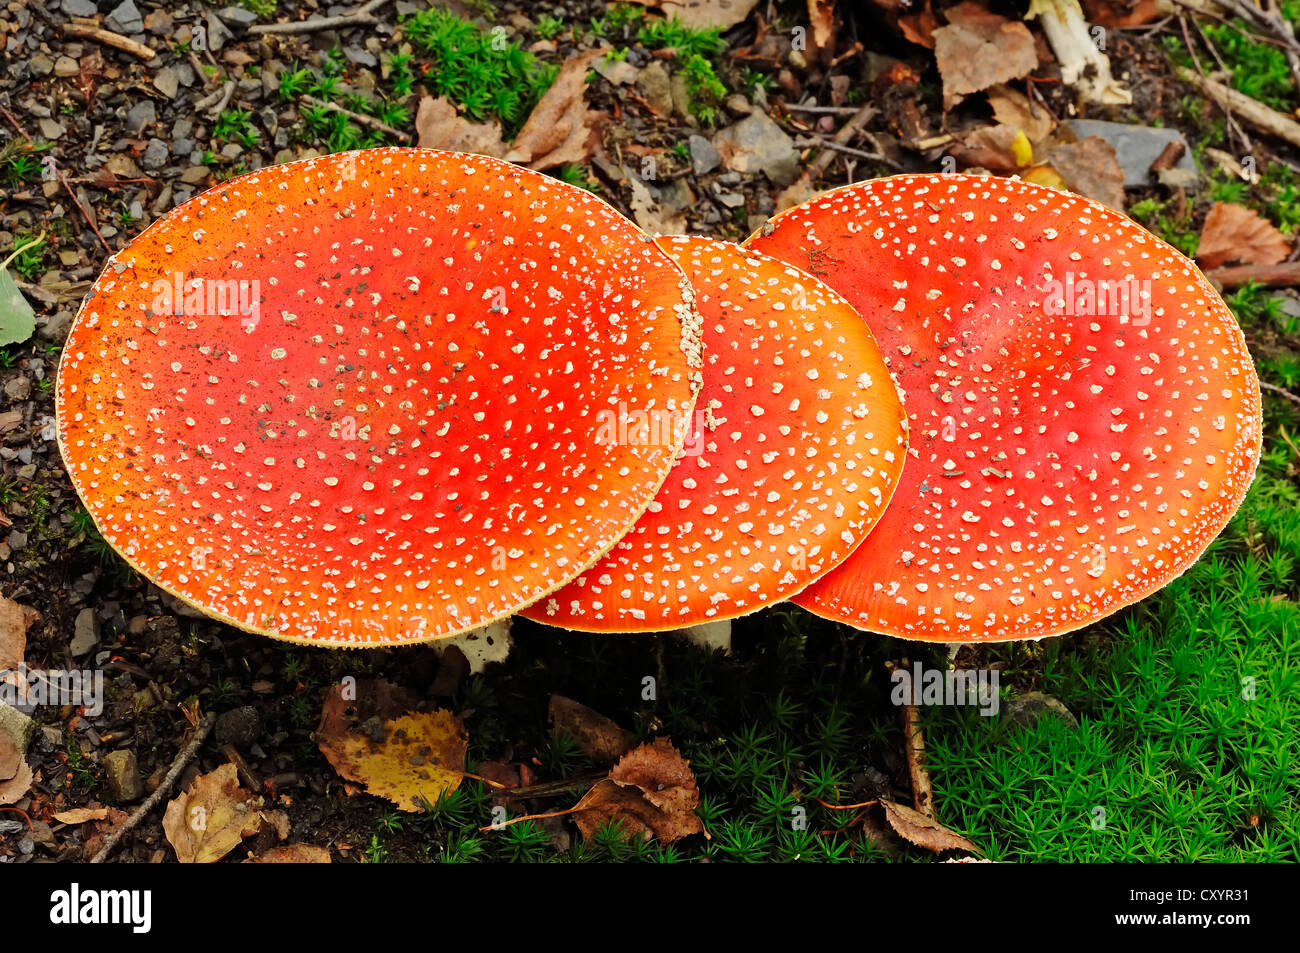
(1085, 417)
(793, 456)
(354, 400)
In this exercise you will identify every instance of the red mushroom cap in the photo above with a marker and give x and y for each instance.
(793, 456)
(1085, 417)
(354, 400)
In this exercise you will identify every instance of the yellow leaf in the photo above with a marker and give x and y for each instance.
(1021, 149)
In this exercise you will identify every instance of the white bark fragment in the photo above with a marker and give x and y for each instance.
(1083, 64)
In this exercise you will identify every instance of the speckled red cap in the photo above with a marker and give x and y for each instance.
(354, 400)
(794, 453)
(1085, 417)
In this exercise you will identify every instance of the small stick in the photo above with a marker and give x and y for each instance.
(361, 18)
(361, 118)
(820, 143)
(82, 209)
(108, 38)
(186, 755)
(1283, 392)
(1273, 276)
(825, 110)
(529, 817)
(1253, 112)
(922, 790)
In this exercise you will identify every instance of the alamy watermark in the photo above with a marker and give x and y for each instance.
(25, 688)
(978, 688)
(1128, 299)
(208, 297)
(651, 428)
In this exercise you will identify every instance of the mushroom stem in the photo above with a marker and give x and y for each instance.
(1082, 63)
(714, 636)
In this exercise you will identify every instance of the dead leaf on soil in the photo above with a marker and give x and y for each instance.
(293, 854)
(11, 758)
(1091, 167)
(979, 49)
(651, 791)
(919, 27)
(1012, 108)
(650, 215)
(559, 131)
(410, 758)
(1123, 14)
(211, 817)
(915, 828)
(439, 126)
(821, 16)
(97, 831)
(1234, 233)
(80, 815)
(703, 14)
(598, 737)
(1001, 149)
(14, 620)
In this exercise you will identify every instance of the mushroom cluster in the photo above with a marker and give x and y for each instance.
(397, 395)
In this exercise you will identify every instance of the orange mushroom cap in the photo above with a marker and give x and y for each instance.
(354, 400)
(1085, 417)
(793, 456)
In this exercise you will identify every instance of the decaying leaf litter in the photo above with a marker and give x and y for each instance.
(960, 87)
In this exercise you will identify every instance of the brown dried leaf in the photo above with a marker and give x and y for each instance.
(915, 828)
(703, 14)
(821, 16)
(80, 815)
(1091, 167)
(919, 27)
(210, 819)
(11, 759)
(14, 620)
(979, 49)
(1123, 14)
(989, 147)
(293, 854)
(1012, 108)
(439, 126)
(598, 737)
(650, 215)
(1238, 234)
(559, 130)
(651, 791)
(407, 759)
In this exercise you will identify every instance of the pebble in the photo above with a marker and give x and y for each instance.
(17, 540)
(66, 66)
(51, 129)
(655, 86)
(85, 633)
(1032, 707)
(41, 65)
(19, 388)
(166, 82)
(125, 18)
(140, 115)
(122, 775)
(155, 154)
(758, 144)
(79, 8)
(239, 727)
(704, 157)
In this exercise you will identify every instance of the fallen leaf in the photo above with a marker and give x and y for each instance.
(17, 319)
(1123, 14)
(979, 49)
(915, 828)
(293, 854)
(1234, 233)
(1091, 167)
(919, 27)
(1012, 108)
(703, 14)
(598, 737)
(211, 817)
(97, 831)
(14, 620)
(17, 786)
(651, 791)
(650, 215)
(559, 129)
(80, 815)
(11, 758)
(1044, 175)
(821, 16)
(439, 126)
(1000, 149)
(409, 759)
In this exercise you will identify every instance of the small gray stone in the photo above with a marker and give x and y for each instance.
(155, 154)
(85, 633)
(1031, 707)
(218, 33)
(140, 115)
(19, 388)
(239, 727)
(17, 726)
(738, 105)
(655, 86)
(55, 327)
(50, 129)
(758, 144)
(41, 65)
(181, 129)
(704, 158)
(17, 540)
(79, 8)
(122, 774)
(238, 17)
(66, 66)
(166, 82)
(125, 18)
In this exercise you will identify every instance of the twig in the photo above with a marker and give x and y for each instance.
(821, 143)
(914, 742)
(825, 110)
(1280, 391)
(1284, 275)
(185, 757)
(361, 118)
(1254, 113)
(220, 98)
(361, 18)
(82, 209)
(18, 251)
(108, 38)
